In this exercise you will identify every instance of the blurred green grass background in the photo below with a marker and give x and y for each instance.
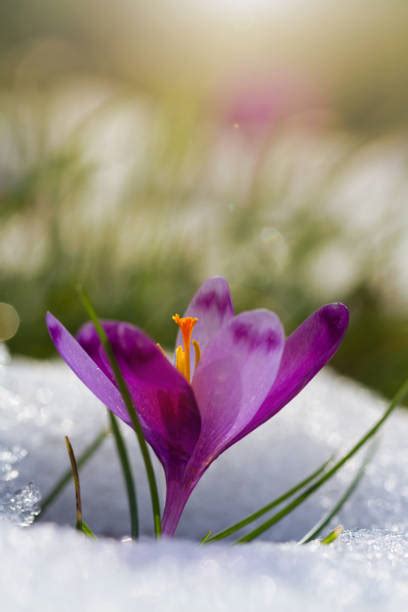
(146, 146)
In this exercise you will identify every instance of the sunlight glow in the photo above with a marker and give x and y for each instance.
(245, 7)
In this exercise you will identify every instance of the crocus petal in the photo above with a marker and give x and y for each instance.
(212, 305)
(234, 376)
(85, 368)
(307, 350)
(163, 398)
(165, 401)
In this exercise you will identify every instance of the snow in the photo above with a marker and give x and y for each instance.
(49, 566)
(55, 569)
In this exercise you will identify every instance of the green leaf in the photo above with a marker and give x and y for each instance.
(397, 399)
(127, 475)
(87, 530)
(318, 528)
(333, 535)
(206, 537)
(83, 458)
(276, 502)
(124, 391)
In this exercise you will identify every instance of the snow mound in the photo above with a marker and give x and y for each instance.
(52, 569)
(48, 567)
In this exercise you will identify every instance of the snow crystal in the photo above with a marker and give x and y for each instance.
(50, 566)
(19, 506)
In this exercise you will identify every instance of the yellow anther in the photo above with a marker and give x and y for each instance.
(197, 353)
(186, 325)
(181, 361)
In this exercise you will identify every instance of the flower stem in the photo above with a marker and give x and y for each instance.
(124, 391)
(176, 499)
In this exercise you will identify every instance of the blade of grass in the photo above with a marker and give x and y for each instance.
(325, 520)
(80, 525)
(397, 399)
(87, 530)
(276, 502)
(206, 537)
(127, 475)
(83, 458)
(124, 391)
(333, 535)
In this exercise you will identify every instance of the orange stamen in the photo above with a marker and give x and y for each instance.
(186, 325)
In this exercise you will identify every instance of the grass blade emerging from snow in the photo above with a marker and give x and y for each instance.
(127, 475)
(124, 391)
(276, 502)
(87, 530)
(83, 458)
(80, 525)
(325, 520)
(255, 533)
(206, 537)
(333, 535)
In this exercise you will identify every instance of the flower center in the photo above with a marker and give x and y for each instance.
(186, 325)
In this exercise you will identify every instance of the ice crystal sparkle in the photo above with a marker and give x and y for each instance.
(246, 373)
(18, 505)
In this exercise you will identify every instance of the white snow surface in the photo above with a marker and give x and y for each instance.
(50, 566)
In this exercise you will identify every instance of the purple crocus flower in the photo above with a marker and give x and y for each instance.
(231, 374)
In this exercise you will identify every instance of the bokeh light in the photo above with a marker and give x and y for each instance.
(144, 146)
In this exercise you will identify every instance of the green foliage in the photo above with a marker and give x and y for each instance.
(183, 210)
